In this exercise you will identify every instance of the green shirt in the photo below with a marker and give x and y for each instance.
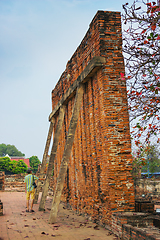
(29, 179)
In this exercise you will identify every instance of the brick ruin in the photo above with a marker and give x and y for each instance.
(98, 181)
(147, 189)
(2, 178)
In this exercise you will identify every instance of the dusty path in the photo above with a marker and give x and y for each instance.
(17, 224)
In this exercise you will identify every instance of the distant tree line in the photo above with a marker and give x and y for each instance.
(11, 150)
(15, 167)
(34, 162)
(146, 160)
(12, 166)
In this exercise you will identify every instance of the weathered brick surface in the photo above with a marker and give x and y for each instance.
(134, 233)
(98, 180)
(15, 183)
(148, 188)
(144, 206)
(140, 220)
(2, 177)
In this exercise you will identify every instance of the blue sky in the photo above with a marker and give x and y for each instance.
(38, 37)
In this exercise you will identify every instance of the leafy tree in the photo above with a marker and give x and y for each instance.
(146, 159)
(3, 149)
(11, 150)
(141, 50)
(152, 160)
(12, 166)
(21, 167)
(137, 166)
(34, 162)
(4, 163)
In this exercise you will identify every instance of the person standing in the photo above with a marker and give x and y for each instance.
(29, 188)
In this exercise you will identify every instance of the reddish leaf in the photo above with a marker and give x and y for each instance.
(153, 27)
(122, 76)
(143, 31)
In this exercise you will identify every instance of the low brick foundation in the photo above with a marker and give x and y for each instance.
(14, 183)
(139, 220)
(135, 233)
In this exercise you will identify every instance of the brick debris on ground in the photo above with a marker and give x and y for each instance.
(17, 224)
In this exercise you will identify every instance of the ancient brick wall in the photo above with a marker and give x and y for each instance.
(98, 180)
(15, 183)
(147, 189)
(2, 177)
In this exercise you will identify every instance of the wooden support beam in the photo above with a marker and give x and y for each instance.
(52, 158)
(66, 154)
(44, 160)
(96, 63)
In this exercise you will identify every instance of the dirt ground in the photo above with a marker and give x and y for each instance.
(17, 224)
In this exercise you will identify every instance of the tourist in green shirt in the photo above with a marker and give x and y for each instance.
(29, 188)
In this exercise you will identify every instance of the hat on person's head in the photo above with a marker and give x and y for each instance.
(29, 170)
